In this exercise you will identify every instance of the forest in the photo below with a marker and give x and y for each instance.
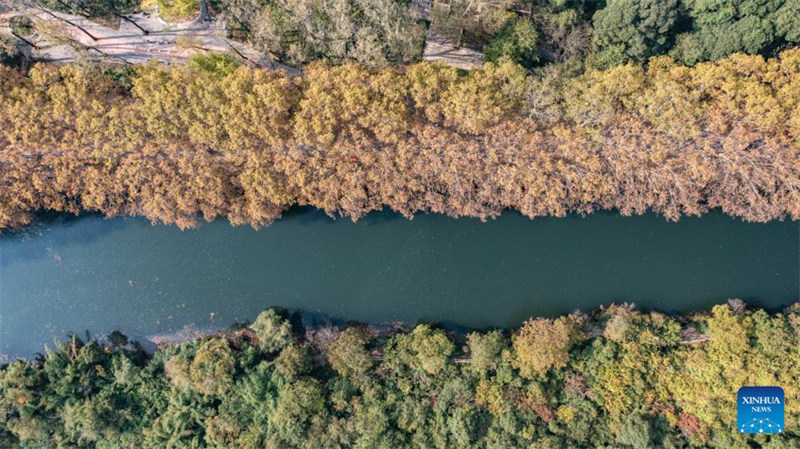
(613, 378)
(533, 33)
(177, 144)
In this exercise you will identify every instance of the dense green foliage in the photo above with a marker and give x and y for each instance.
(517, 41)
(634, 29)
(720, 28)
(616, 378)
(175, 143)
(602, 34)
(692, 31)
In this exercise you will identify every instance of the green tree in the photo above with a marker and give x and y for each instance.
(9, 50)
(424, 349)
(635, 432)
(293, 361)
(173, 9)
(724, 27)
(516, 41)
(348, 355)
(213, 367)
(105, 12)
(273, 331)
(633, 30)
(21, 26)
(94, 419)
(299, 415)
(641, 390)
(485, 350)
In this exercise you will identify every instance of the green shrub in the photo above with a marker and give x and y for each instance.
(21, 26)
(217, 64)
(517, 41)
(172, 10)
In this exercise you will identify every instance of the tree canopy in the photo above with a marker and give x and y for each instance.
(184, 144)
(634, 29)
(644, 387)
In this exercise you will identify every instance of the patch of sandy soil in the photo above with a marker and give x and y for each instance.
(438, 48)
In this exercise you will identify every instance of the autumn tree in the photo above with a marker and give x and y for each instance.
(541, 344)
(183, 144)
(484, 97)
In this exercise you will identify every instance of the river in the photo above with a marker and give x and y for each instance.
(67, 274)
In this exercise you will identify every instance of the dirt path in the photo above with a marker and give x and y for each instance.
(165, 42)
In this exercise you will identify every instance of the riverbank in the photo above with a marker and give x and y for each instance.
(310, 328)
(316, 330)
(612, 376)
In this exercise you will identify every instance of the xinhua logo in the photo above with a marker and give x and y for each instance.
(760, 409)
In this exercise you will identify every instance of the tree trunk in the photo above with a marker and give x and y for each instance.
(240, 54)
(131, 21)
(24, 40)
